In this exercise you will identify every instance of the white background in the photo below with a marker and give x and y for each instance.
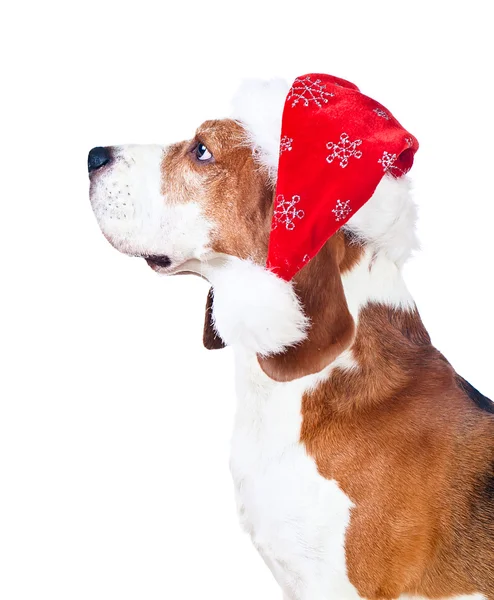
(114, 421)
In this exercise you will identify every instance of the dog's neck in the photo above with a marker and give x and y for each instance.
(391, 347)
(256, 312)
(375, 279)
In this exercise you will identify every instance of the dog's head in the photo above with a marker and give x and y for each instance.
(204, 206)
(180, 205)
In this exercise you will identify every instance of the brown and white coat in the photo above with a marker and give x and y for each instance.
(363, 464)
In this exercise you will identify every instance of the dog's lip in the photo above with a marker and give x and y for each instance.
(191, 266)
(160, 261)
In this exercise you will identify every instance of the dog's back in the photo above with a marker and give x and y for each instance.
(471, 547)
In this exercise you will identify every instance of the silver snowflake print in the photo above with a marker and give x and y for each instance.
(343, 149)
(387, 160)
(286, 212)
(285, 144)
(342, 210)
(409, 141)
(381, 113)
(305, 90)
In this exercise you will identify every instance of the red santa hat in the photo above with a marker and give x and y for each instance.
(336, 145)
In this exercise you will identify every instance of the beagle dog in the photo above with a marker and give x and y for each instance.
(363, 464)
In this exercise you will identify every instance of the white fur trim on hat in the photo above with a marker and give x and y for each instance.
(258, 105)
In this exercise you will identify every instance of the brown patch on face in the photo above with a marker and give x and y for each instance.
(232, 189)
(320, 290)
(416, 457)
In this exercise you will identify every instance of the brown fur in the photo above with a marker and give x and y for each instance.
(413, 453)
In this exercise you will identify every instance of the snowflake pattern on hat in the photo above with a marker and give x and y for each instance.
(381, 113)
(306, 91)
(285, 144)
(387, 160)
(344, 149)
(286, 212)
(373, 144)
(342, 210)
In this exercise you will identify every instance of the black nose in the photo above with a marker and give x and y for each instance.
(97, 158)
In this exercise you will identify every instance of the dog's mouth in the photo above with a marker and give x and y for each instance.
(161, 264)
(155, 262)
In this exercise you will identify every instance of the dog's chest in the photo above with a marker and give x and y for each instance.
(296, 518)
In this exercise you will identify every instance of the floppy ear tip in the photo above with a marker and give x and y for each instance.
(300, 360)
(210, 337)
(211, 340)
(276, 368)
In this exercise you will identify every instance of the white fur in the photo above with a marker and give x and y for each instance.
(137, 218)
(296, 518)
(375, 279)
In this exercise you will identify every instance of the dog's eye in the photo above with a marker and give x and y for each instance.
(202, 152)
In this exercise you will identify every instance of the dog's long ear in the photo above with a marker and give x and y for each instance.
(332, 328)
(210, 338)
